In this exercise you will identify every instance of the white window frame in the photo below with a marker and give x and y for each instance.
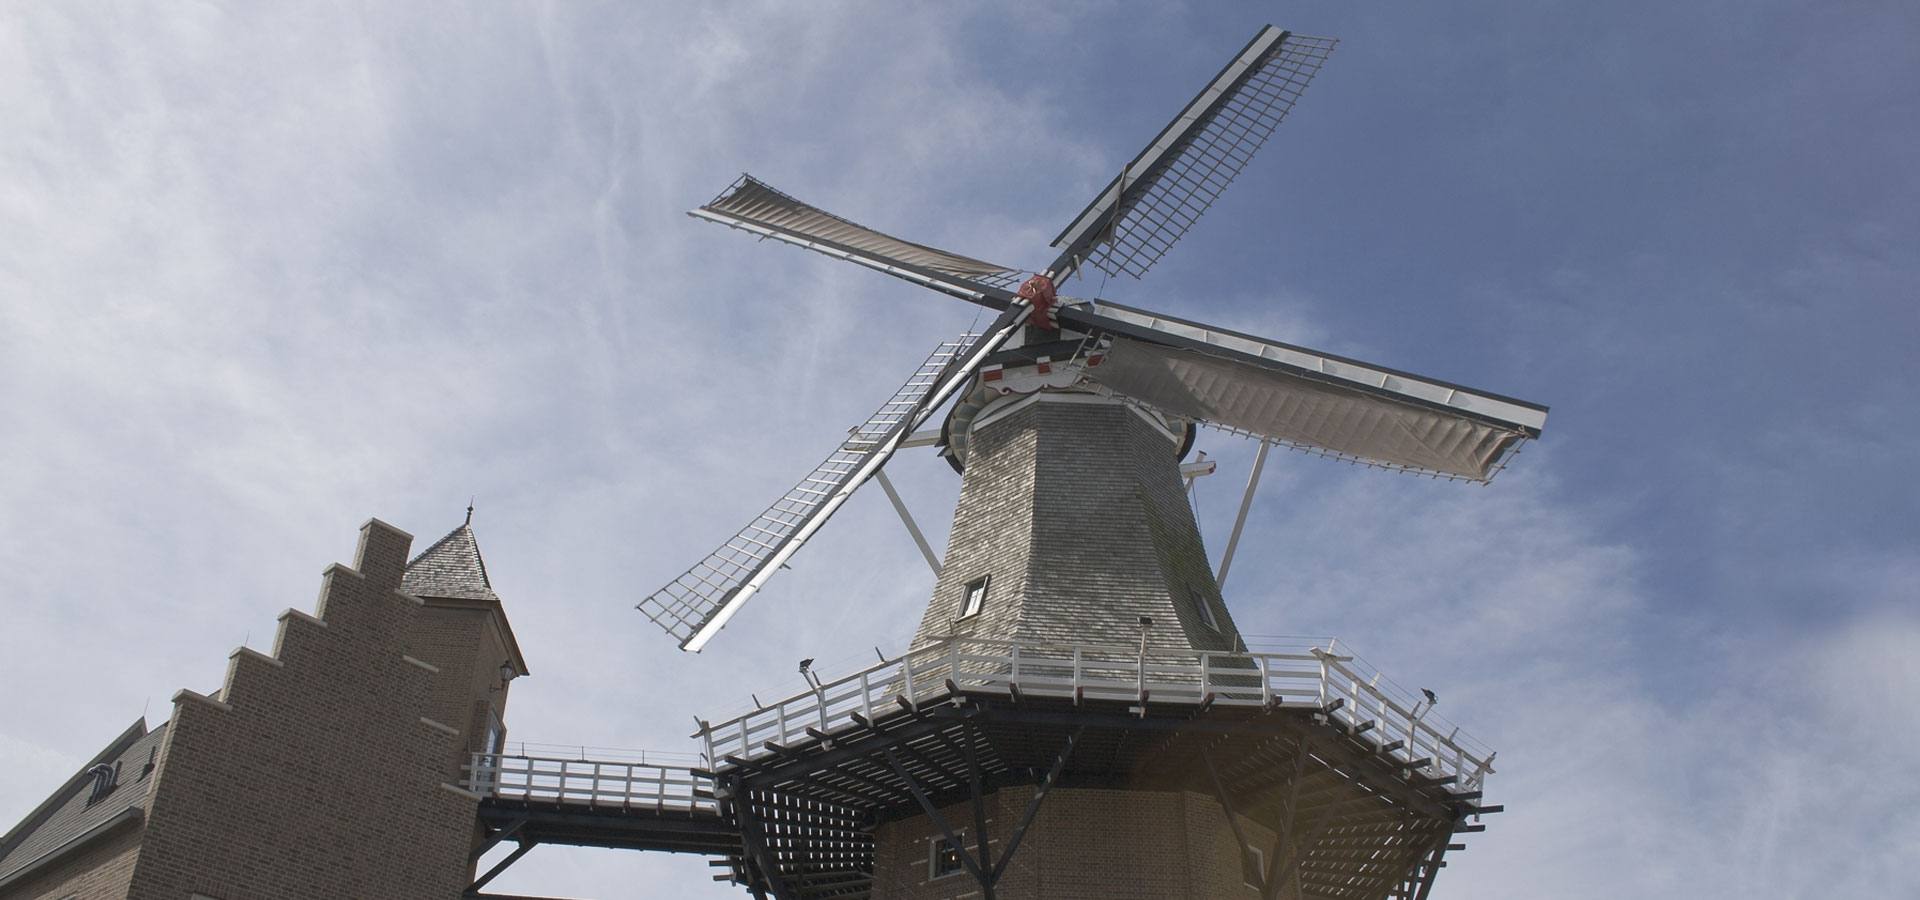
(933, 856)
(1259, 864)
(969, 608)
(1206, 609)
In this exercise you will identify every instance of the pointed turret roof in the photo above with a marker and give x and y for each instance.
(451, 568)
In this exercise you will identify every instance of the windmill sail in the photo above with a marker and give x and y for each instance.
(1305, 398)
(752, 205)
(696, 605)
(1165, 189)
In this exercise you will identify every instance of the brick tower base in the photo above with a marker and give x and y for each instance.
(1084, 843)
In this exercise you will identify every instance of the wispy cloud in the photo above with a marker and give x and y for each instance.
(267, 271)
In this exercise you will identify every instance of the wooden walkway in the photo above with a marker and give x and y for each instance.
(531, 800)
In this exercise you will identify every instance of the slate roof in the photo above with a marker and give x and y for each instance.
(66, 819)
(451, 568)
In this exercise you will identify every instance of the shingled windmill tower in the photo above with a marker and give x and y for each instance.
(1077, 693)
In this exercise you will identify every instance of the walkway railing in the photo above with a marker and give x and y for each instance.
(595, 783)
(1314, 679)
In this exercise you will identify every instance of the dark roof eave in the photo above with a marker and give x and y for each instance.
(112, 824)
(40, 813)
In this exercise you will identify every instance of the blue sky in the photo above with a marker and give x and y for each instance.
(265, 272)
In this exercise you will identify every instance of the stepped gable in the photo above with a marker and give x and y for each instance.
(323, 751)
(74, 818)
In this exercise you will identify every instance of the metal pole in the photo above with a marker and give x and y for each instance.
(899, 506)
(1240, 521)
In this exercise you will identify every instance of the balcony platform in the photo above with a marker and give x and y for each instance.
(1364, 793)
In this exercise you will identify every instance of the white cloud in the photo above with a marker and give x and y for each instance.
(265, 272)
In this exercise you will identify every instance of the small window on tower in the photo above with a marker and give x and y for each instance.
(1206, 609)
(943, 858)
(976, 596)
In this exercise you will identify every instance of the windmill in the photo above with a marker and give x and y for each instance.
(1181, 372)
(1077, 644)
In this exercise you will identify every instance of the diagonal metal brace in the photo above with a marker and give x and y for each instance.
(926, 805)
(493, 840)
(1233, 821)
(1033, 806)
(501, 866)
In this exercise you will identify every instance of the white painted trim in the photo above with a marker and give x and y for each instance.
(249, 651)
(184, 694)
(933, 850)
(421, 663)
(342, 569)
(376, 521)
(1003, 407)
(310, 618)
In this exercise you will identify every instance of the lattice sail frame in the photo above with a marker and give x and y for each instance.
(1146, 209)
(754, 204)
(689, 602)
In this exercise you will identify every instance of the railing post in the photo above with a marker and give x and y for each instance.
(953, 660)
(660, 792)
(1322, 655)
(1013, 676)
(906, 674)
(1076, 671)
(1413, 727)
(1206, 676)
(780, 716)
(1266, 681)
(593, 799)
(1140, 668)
(866, 698)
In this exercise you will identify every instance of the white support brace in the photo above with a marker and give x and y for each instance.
(1240, 521)
(906, 518)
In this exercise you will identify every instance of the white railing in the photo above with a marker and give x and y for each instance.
(598, 783)
(1316, 678)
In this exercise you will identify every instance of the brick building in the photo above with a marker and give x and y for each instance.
(328, 768)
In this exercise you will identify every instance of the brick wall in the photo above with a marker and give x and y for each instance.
(316, 771)
(99, 871)
(462, 639)
(1085, 844)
